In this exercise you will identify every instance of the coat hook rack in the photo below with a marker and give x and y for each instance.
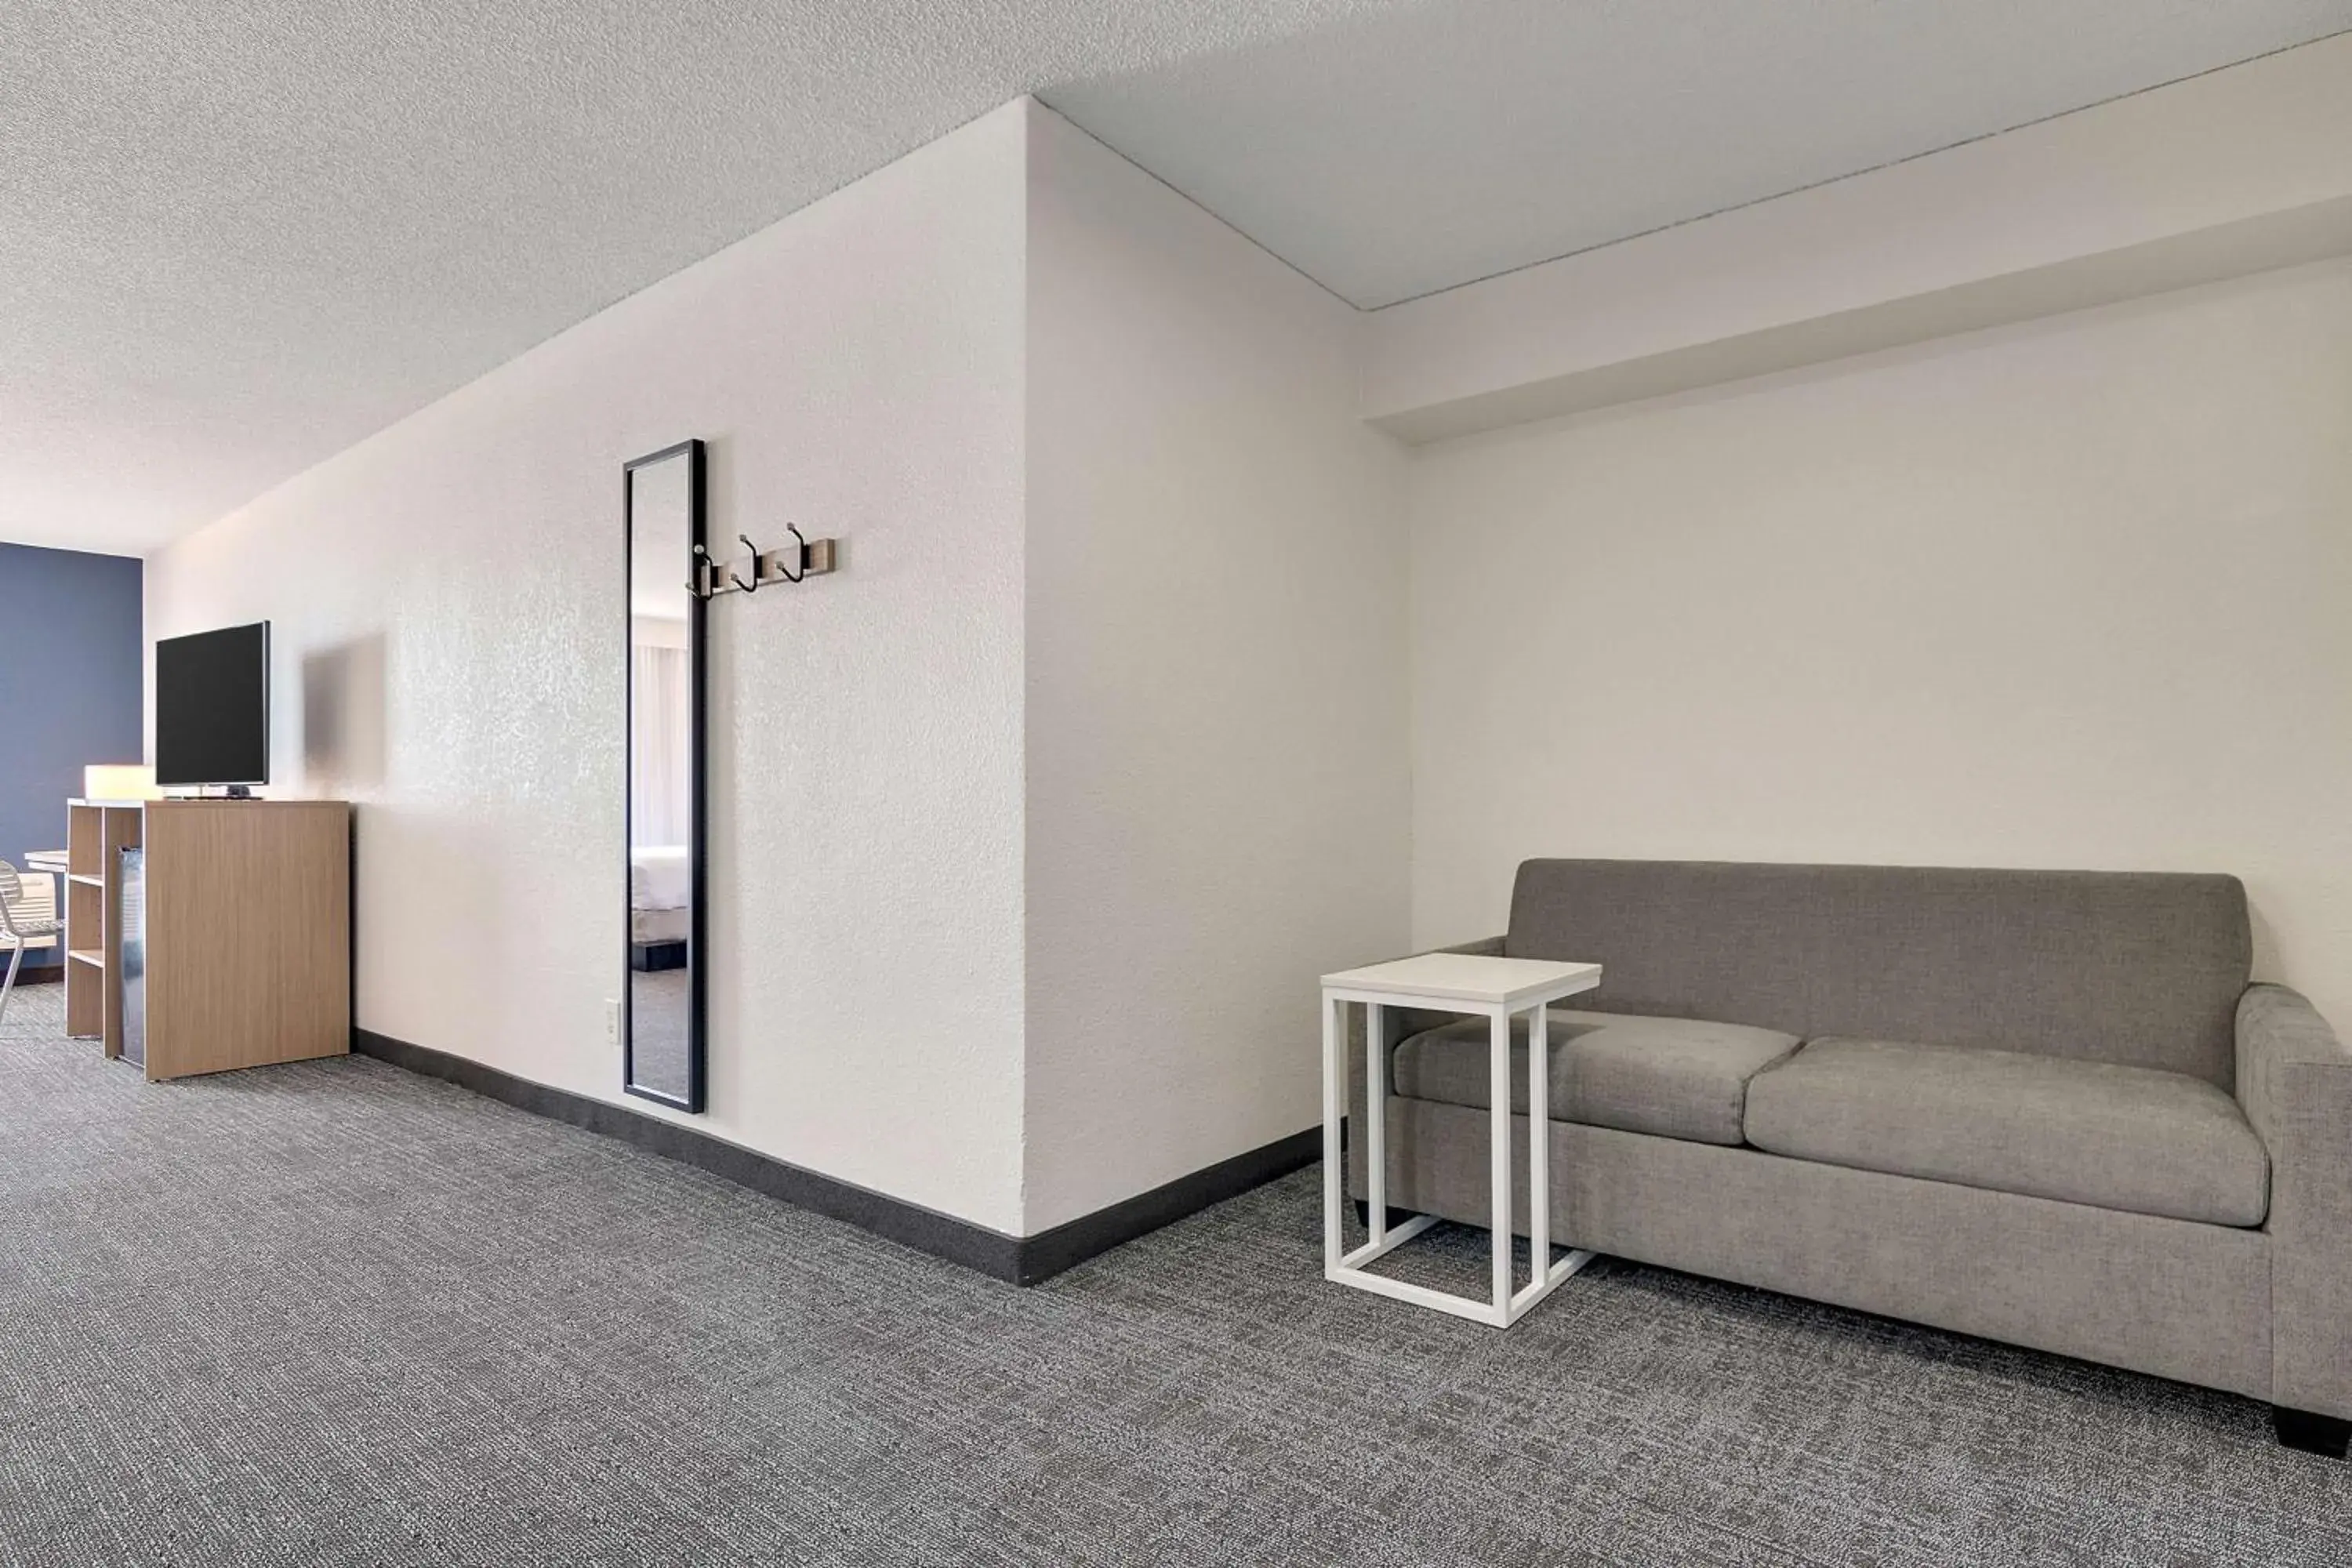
(803, 559)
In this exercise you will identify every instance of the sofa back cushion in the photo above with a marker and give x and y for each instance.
(2139, 968)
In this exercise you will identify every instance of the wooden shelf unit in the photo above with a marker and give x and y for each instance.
(96, 830)
(247, 930)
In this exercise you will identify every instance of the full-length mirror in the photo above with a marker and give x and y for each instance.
(662, 1006)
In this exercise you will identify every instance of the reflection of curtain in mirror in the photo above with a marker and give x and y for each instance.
(658, 753)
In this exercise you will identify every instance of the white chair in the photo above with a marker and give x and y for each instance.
(22, 925)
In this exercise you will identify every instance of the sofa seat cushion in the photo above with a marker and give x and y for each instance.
(2135, 1139)
(1675, 1077)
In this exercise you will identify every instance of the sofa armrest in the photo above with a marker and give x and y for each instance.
(1397, 1025)
(2295, 1082)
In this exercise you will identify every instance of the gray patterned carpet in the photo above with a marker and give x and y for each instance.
(332, 1313)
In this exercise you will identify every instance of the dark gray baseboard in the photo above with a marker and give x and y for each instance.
(1049, 1252)
(1020, 1260)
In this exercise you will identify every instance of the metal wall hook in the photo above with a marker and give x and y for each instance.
(803, 558)
(799, 553)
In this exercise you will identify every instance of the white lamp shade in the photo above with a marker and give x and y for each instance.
(119, 781)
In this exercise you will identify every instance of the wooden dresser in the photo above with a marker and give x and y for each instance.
(241, 910)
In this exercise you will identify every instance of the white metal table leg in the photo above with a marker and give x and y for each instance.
(1543, 1274)
(1498, 1081)
(1538, 1144)
(1337, 1262)
(1335, 1176)
(1376, 1121)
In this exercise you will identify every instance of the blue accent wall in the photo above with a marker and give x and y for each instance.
(71, 683)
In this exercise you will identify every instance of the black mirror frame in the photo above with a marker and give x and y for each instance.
(698, 829)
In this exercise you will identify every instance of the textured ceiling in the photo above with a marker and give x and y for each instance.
(237, 236)
(1396, 153)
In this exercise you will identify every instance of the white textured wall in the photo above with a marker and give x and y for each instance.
(1031, 829)
(1217, 788)
(1089, 760)
(450, 593)
(2070, 593)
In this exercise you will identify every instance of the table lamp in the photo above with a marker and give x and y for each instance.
(119, 781)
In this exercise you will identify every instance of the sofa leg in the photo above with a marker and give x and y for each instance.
(2326, 1435)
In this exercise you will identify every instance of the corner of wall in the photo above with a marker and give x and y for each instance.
(1215, 747)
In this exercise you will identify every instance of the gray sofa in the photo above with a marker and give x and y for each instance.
(2043, 1107)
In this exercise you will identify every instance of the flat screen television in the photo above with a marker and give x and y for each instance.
(212, 707)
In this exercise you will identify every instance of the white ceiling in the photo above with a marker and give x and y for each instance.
(237, 236)
(1396, 153)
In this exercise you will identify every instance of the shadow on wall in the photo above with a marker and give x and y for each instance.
(342, 717)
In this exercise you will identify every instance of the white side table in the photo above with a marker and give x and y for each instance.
(1497, 989)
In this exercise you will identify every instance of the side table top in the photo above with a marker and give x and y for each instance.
(1466, 977)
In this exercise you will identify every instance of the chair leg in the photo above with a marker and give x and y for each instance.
(2326, 1435)
(8, 988)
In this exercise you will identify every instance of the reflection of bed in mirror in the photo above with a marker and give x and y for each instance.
(661, 882)
(660, 888)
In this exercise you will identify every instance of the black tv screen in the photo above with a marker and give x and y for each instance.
(212, 707)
